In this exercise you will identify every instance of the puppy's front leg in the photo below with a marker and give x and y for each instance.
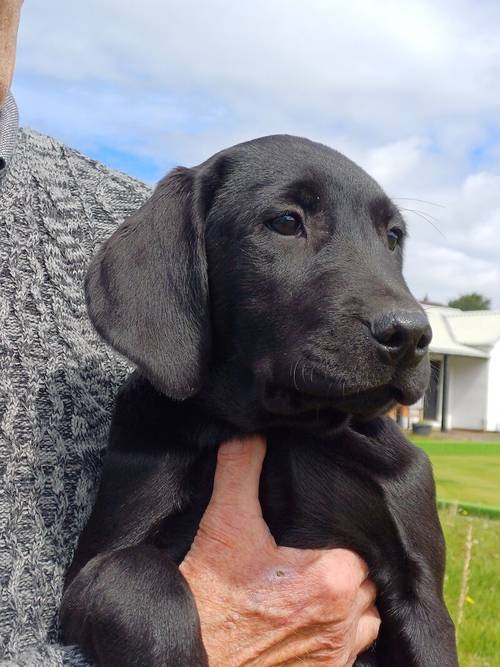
(417, 630)
(126, 602)
(133, 607)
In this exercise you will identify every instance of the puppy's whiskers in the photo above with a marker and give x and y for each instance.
(426, 216)
(422, 201)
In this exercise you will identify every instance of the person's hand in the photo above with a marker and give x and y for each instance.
(264, 605)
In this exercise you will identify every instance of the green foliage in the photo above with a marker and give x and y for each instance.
(472, 301)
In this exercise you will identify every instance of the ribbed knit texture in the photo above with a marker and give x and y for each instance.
(9, 125)
(57, 380)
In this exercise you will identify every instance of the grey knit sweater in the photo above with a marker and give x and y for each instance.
(57, 380)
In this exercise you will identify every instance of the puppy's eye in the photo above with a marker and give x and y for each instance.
(287, 224)
(394, 237)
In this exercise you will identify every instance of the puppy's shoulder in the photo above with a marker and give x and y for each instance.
(143, 418)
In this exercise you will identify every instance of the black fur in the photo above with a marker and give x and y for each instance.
(307, 339)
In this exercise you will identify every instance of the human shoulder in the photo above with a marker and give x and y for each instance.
(58, 167)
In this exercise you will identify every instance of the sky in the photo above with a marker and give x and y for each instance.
(409, 90)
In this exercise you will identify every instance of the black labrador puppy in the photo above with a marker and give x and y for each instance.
(259, 292)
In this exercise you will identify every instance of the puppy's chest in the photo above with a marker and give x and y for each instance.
(310, 499)
(314, 498)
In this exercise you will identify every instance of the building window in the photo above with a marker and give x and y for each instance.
(431, 398)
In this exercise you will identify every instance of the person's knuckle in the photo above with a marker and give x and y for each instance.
(336, 579)
(334, 597)
(354, 562)
(233, 451)
(344, 564)
(339, 611)
(342, 588)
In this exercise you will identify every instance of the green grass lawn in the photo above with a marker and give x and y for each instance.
(469, 472)
(465, 471)
(478, 631)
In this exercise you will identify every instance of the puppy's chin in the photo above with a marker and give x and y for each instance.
(323, 416)
(296, 409)
(322, 401)
(322, 422)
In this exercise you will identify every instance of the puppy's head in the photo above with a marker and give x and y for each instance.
(267, 282)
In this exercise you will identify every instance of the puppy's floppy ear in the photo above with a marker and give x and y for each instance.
(147, 288)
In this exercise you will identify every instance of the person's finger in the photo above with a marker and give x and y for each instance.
(367, 630)
(237, 476)
(366, 596)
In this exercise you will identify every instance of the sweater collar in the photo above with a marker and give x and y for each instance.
(9, 125)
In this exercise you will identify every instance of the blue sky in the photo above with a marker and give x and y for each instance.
(409, 90)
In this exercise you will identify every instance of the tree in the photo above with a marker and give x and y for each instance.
(472, 301)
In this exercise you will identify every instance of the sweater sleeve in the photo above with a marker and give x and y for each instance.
(48, 655)
(57, 378)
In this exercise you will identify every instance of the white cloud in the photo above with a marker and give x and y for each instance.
(448, 272)
(467, 257)
(408, 89)
(393, 164)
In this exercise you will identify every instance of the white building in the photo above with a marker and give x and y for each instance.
(464, 391)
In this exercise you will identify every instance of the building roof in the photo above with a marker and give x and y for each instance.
(476, 327)
(463, 333)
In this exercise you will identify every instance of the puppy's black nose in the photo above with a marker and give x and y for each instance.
(402, 334)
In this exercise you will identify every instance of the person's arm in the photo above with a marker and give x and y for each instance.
(9, 22)
(260, 604)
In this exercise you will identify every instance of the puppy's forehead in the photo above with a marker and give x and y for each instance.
(291, 166)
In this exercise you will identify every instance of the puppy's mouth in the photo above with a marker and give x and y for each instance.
(302, 405)
(313, 408)
(316, 396)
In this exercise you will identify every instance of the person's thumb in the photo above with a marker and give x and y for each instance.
(234, 516)
(237, 477)
(233, 519)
